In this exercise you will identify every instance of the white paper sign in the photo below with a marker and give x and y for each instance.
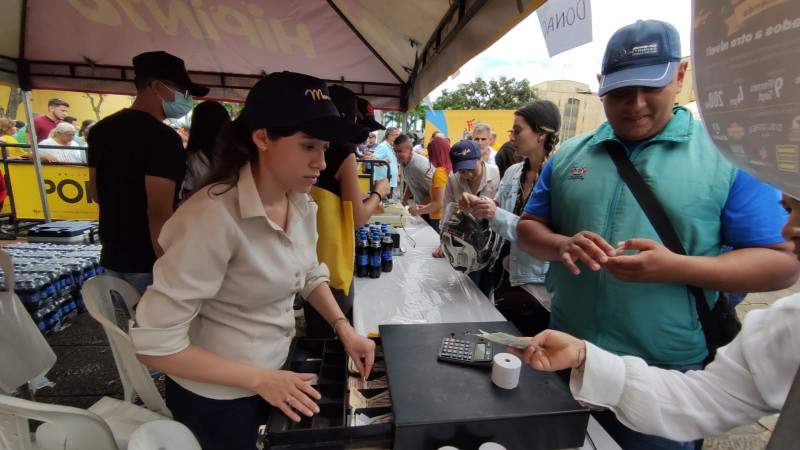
(566, 24)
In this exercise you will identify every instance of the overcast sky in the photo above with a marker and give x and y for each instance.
(522, 53)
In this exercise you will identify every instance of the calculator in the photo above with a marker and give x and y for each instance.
(461, 351)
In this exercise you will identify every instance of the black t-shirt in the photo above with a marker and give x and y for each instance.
(334, 157)
(124, 147)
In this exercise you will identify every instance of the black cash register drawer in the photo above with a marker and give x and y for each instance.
(326, 430)
(433, 403)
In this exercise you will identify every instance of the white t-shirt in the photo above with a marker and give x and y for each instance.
(65, 155)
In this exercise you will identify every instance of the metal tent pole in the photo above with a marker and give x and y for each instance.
(37, 164)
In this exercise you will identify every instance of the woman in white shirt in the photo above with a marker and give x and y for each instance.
(218, 319)
(63, 135)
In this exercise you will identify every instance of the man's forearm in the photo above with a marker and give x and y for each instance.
(537, 239)
(757, 269)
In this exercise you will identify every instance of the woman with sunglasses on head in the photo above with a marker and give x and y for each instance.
(218, 319)
(534, 137)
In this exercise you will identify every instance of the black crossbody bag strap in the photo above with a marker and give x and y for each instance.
(655, 213)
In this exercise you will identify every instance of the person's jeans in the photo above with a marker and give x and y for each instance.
(484, 279)
(434, 223)
(139, 280)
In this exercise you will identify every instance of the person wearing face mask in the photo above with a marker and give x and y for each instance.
(137, 164)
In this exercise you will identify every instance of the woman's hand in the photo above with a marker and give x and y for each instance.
(289, 392)
(467, 200)
(415, 210)
(438, 253)
(358, 346)
(483, 208)
(560, 351)
(382, 187)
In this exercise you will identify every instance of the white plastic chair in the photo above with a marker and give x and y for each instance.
(84, 429)
(135, 376)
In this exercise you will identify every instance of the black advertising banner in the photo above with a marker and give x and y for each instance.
(746, 57)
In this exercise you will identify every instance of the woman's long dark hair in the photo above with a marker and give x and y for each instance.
(542, 116)
(234, 149)
(208, 119)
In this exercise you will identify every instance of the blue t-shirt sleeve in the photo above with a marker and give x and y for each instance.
(539, 201)
(752, 215)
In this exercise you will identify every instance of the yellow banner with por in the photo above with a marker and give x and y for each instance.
(66, 188)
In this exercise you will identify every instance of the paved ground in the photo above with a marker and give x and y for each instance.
(85, 372)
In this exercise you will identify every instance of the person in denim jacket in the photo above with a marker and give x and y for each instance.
(519, 277)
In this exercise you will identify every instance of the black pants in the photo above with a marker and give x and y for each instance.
(218, 424)
(317, 327)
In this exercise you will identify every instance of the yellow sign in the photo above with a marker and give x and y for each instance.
(458, 124)
(66, 188)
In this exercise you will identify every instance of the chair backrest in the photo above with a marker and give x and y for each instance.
(135, 376)
(86, 430)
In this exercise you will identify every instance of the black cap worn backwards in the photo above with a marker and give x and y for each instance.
(366, 115)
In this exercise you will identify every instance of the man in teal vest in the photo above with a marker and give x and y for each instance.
(614, 283)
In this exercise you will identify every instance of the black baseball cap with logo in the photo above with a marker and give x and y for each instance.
(296, 100)
(163, 66)
(366, 115)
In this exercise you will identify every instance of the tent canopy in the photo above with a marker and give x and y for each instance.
(391, 52)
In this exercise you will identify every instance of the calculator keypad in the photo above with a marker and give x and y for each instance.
(459, 350)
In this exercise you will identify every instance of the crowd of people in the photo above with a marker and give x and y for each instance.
(220, 234)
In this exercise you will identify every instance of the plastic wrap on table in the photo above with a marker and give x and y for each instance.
(420, 289)
(418, 234)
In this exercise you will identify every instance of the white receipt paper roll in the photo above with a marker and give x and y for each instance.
(505, 370)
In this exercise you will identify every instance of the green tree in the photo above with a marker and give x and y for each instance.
(415, 119)
(503, 93)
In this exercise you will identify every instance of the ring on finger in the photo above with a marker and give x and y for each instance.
(287, 399)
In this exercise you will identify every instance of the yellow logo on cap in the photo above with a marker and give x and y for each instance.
(462, 152)
(317, 94)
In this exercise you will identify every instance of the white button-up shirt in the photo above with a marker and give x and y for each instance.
(749, 378)
(227, 280)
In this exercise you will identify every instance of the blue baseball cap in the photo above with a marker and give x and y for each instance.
(464, 155)
(645, 53)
